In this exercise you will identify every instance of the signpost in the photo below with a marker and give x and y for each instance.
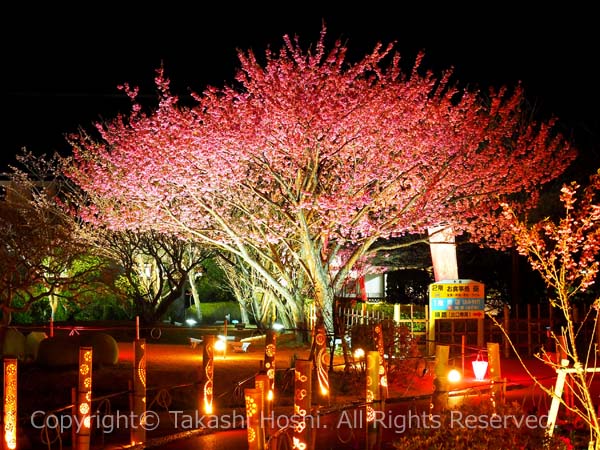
(456, 299)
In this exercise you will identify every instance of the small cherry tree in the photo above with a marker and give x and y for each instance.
(565, 253)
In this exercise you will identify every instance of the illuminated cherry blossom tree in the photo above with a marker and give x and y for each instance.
(565, 252)
(308, 154)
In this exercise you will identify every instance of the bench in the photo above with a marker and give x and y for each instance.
(194, 342)
(239, 346)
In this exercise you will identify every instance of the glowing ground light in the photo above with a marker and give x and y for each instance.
(262, 382)
(269, 362)
(85, 385)
(454, 376)
(10, 403)
(254, 411)
(321, 361)
(251, 407)
(208, 362)
(84, 398)
(137, 433)
(372, 394)
(302, 402)
(220, 345)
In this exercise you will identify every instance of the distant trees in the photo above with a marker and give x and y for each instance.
(155, 268)
(42, 253)
(308, 156)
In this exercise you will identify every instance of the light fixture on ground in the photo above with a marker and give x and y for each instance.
(220, 344)
(454, 376)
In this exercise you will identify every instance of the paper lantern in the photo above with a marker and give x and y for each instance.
(479, 368)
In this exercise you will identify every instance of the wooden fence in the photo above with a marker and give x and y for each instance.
(526, 326)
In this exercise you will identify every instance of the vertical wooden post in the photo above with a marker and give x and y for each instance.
(373, 394)
(269, 365)
(208, 368)
(261, 381)
(439, 398)
(597, 335)
(493, 349)
(254, 417)
(137, 432)
(9, 441)
(380, 346)
(529, 337)
(462, 353)
(539, 324)
(84, 398)
(302, 403)
(556, 395)
(480, 332)
(506, 326)
(430, 331)
(74, 414)
(225, 334)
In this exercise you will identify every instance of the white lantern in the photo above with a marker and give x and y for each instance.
(479, 367)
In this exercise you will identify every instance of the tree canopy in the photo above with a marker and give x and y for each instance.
(307, 156)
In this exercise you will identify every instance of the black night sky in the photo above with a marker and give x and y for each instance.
(62, 66)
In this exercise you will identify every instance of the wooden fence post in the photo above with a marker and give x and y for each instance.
(506, 326)
(493, 350)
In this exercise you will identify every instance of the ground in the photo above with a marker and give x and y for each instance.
(173, 371)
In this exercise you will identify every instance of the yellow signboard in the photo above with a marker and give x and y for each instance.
(458, 314)
(457, 299)
(457, 289)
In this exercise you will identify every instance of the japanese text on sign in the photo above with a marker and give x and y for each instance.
(472, 290)
(461, 299)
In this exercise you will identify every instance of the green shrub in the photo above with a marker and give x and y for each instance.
(14, 344)
(216, 311)
(61, 351)
(32, 344)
